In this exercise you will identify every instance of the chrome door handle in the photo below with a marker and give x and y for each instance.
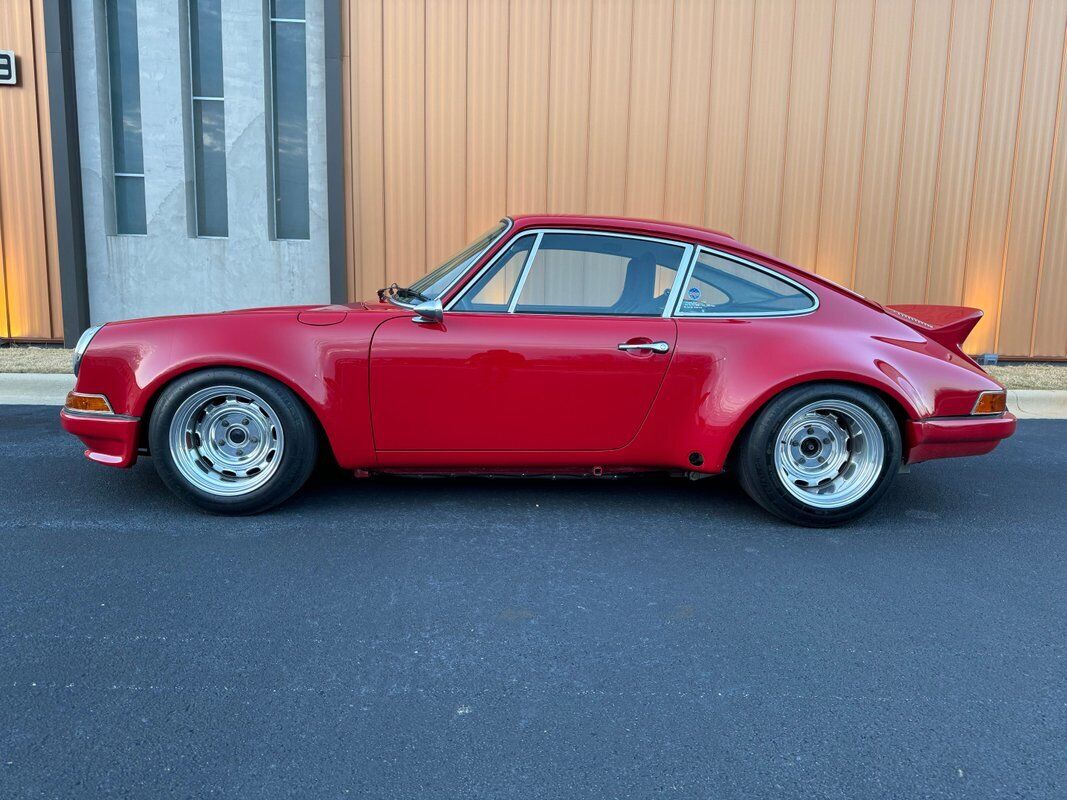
(655, 347)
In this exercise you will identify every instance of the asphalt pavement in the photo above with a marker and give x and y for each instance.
(435, 638)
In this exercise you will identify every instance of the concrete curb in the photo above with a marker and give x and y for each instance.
(34, 389)
(1038, 403)
(51, 390)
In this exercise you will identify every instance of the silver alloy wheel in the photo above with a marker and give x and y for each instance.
(226, 441)
(829, 453)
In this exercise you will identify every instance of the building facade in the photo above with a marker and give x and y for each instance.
(31, 306)
(181, 142)
(195, 155)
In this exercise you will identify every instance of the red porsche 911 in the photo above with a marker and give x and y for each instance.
(552, 345)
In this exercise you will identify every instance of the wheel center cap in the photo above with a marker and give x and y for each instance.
(809, 446)
(236, 436)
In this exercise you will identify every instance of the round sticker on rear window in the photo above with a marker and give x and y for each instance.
(694, 293)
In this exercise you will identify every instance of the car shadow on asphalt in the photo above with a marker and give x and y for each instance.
(68, 491)
(333, 496)
(629, 500)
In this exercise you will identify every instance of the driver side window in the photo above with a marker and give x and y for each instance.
(561, 272)
(581, 273)
(493, 291)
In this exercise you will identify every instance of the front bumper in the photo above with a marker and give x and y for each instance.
(951, 437)
(111, 439)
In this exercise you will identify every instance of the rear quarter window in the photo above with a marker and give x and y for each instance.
(720, 286)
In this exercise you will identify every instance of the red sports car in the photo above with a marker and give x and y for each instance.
(552, 345)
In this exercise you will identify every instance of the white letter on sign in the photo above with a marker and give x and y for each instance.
(7, 68)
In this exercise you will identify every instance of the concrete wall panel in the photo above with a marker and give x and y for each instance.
(169, 270)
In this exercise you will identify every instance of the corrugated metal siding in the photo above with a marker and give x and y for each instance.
(29, 268)
(912, 150)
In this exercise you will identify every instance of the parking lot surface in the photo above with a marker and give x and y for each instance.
(407, 638)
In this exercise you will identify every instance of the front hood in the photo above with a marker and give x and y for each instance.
(296, 309)
(287, 311)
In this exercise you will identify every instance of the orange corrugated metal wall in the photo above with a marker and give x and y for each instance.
(912, 150)
(29, 264)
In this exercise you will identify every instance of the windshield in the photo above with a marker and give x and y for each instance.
(437, 282)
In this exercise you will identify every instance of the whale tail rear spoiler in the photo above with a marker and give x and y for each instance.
(946, 325)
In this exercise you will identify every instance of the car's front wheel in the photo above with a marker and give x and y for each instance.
(820, 455)
(232, 441)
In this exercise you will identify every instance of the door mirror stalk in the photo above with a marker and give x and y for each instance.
(428, 311)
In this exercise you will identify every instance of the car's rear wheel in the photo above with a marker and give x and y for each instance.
(820, 455)
(232, 441)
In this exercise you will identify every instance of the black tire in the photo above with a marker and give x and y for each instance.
(295, 463)
(759, 476)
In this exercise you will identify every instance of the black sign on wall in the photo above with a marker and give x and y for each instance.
(8, 73)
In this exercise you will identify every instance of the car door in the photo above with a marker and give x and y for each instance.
(558, 346)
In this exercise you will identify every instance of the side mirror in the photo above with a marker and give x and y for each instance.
(428, 311)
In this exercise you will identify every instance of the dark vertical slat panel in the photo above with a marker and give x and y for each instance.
(336, 148)
(66, 166)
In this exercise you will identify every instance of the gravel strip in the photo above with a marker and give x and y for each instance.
(35, 359)
(1030, 376)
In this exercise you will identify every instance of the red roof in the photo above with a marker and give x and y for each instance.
(672, 230)
(676, 230)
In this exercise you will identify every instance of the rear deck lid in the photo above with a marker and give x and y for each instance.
(946, 325)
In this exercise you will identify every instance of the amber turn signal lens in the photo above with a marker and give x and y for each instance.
(89, 403)
(991, 403)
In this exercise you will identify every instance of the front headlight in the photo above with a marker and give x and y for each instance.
(82, 345)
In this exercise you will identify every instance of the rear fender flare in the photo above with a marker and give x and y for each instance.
(896, 397)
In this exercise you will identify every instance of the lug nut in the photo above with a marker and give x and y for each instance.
(795, 443)
(826, 440)
(225, 423)
(240, 452)
(246, 421)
